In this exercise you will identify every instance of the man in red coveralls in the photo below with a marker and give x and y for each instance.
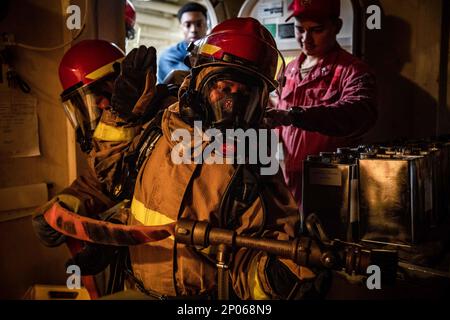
(328, 97)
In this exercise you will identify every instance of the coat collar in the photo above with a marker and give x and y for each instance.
(322, 69)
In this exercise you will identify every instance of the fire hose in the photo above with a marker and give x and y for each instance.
(305, 251)
(315, 250)
(96, 231)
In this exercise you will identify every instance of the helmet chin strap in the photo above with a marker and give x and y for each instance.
(188, 104)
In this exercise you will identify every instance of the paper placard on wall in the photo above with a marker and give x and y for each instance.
(270, 9)
(19, 135)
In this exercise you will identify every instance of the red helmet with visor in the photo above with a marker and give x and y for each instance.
(87, 73)
(240, 42)
(238, 50)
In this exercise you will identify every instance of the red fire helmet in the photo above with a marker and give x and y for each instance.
(86, 72)
(88, 61)
(242, 43)
(130, 17)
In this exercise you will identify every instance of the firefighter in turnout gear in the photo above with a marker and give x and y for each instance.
(99, 83)
(233, 71)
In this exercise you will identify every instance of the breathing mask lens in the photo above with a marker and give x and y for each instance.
(231, 103)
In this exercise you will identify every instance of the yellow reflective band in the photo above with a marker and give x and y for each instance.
(209, 49)
(148, 217)
(103, 71)
(256, 289)
(106, 132)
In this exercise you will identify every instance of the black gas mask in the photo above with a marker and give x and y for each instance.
(232, 99)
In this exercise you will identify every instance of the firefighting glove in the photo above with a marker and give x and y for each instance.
(46, 234)
(288, 286)
(94, 258)
(135, 87)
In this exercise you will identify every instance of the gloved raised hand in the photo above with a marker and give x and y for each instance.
(135, 87)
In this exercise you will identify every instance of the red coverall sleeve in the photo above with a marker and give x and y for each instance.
(353, 114)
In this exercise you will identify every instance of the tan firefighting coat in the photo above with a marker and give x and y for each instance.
(166, 191)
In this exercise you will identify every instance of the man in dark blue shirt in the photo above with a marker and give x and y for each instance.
(192, 17)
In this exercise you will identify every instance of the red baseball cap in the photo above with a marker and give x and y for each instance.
(315, 9)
